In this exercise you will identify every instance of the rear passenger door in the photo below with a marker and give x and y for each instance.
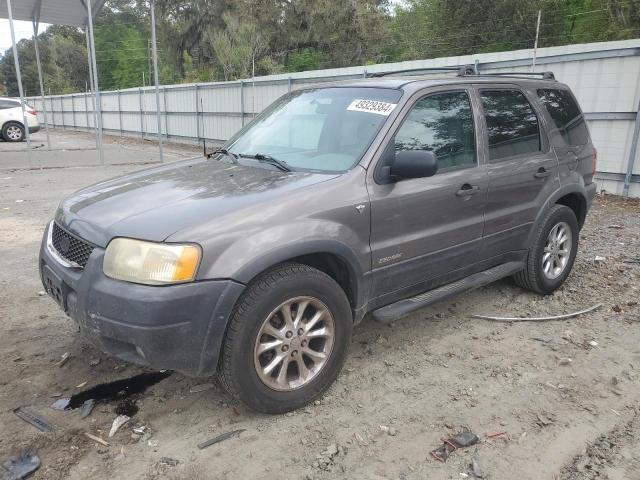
(523, 170)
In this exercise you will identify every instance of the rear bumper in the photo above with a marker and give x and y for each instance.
(178, 327)
(34, 129)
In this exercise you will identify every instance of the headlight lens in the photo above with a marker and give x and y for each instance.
(150, 263)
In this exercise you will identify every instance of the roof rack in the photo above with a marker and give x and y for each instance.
(461, 70)
(466, 71)
(545, 75)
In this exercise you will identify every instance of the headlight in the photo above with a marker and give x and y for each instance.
(150, 263)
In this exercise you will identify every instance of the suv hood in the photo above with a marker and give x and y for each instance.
(153, 204)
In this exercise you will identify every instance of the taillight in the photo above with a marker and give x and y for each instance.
(31, 110)
(594, 163)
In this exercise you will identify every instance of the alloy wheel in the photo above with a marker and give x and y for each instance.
(557, 251)
(294, 343)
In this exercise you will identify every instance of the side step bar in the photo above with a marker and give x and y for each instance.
(393, 312)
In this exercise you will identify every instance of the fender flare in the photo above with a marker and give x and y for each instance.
(552, 200)
(309, 247)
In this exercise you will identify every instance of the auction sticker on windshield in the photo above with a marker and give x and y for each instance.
(371, 106)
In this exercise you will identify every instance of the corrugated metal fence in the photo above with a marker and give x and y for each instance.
(604, 76)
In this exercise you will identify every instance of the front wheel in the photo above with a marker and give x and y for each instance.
(552, 252)
(287, 339)
(13, 132)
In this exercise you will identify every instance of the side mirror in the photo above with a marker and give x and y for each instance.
(414, 164)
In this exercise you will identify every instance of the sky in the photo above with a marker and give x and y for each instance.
(23, 30)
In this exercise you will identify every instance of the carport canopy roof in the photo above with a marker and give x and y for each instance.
(57, 12)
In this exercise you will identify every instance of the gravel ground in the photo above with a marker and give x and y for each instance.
(564, 393)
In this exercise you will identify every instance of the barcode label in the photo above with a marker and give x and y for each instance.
(372, 106)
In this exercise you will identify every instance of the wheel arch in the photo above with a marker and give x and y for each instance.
(332, 258)
(573, 196)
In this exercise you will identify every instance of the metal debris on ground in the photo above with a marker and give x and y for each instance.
(451, 444)
(33, 419)
(97, 439)
(476, 468)
(201, 388)
(172, 462)
(20, 466)
(60, 404)
(538, 319)
(87, 408)
(117, 423)
(65, 356)
(220, 438)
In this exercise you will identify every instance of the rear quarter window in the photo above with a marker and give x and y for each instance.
(566, 115)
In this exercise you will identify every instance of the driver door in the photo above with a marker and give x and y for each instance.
(427, 231)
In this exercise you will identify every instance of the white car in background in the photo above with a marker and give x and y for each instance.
(11, 123)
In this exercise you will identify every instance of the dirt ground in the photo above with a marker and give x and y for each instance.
(566, 393)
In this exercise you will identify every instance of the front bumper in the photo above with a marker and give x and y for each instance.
(177, 327)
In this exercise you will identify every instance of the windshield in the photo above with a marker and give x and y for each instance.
(325, 129)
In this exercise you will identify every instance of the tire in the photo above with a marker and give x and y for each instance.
(288, 287)
(13, 132)
(535, 276)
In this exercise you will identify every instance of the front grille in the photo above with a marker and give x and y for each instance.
(70, 247)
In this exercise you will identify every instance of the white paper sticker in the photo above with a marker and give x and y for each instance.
(372, 106)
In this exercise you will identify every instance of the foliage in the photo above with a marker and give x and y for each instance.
(206, 40)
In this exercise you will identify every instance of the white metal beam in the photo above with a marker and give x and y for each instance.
(94, 68)
(152, 5)
(16, 62)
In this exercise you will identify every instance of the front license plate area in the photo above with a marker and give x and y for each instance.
(54, 286)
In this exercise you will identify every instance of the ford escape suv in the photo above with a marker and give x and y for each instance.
(379, 196)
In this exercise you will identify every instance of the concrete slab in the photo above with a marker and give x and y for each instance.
(78, 149)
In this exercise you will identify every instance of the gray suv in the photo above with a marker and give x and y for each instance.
(378, 196)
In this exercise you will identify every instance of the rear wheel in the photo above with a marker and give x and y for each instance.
(287, 339)
(552, 252)
(13, 132)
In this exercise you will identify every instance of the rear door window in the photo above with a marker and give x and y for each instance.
(441, 123)
(4, 104)
(512, 124)
(566, 115)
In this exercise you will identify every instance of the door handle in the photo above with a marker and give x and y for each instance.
(542, 172)
(467, 190)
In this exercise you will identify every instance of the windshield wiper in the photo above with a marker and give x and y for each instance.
(224, 151)
(268, 159)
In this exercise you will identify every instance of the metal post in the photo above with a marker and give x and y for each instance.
(141, 112)
(535, 45)
(62, 111)
(154, 52)
(44, 106)
(242, 101)
(73, 107)
(16, 62)
(289, 84)
(93, 89)
(86, 109)
(166, 114)
(95, 79)
(197, 117)
(120, 113)
(632, 154)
